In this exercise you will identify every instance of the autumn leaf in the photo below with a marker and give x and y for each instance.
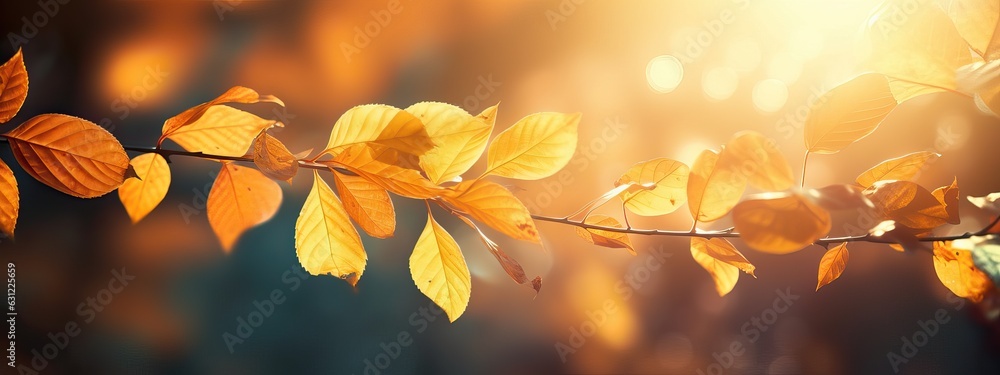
(325, 240)
(495, 206)
(461, 138)
(780, 223)
(848, 113)
(832, 265)
(221, 130)
(369, 163)
(9, 200)
(615, 240)
(509, 265)
(273, 159)
(439, 270)
(840, 197)
(241, 198)
(669, 179)
(947, 196)
(368, 204)
(977, 22)
(722, 250)
(713, 187)
(905, 239)
(956, 270)
(236, 94)
(142, 194)
(982, 81)
(69, 154)
(762, 161)
(905, 167)
(535, 147)
(723, 274)
(989, 202)
(908, 204)
(382, 125)
(13, 86)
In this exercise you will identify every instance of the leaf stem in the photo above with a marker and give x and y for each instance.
(805, 162)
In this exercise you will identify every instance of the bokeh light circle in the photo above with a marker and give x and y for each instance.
(664, 73)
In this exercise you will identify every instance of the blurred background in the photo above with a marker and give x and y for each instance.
(652, 79)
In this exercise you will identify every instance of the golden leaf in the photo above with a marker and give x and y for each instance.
(669, 179)
(957, 271)
(848, 113)
(273, 159)
(380, 124)
(325, 240)
(724, 251)
(142, 194)
(840, 197)
(832, 265)
(760, 159)
(368, 163)
(909, 204)
(9, 200)
(780, 223)
(368, 204)
(70, 154)
(461, 139)
(236, 94)
(221, 130)
(947, 196)
(713, 188)
(723, 274)
(535, 147)
(615, 240)
(13, 86)
(439, 270)
(902, 168)
(977, 22)
(241, 198)
(494, 206)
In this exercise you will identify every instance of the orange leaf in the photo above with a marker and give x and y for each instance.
(848, 113)
(956, 270)
(273, 159)
(722, 250)
(780, 223)
(13, 86)
(241, 198)
(902, 168)
(714, 186)
(509, 265)
(368, 204)
(908, 204)
(70, 154)
(236, 94)
(948, 197)
(724, 274)
(222, 130)
(760, 159)
(605, 238)
(832, 265)
(9, 200)
(496, 207)
(369, 163)
(142, 194)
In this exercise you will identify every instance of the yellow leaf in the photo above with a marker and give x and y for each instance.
(722, 250)
(439, 270)
(142, 194)
(535, 147)
(325, 240)
(909, 204)
(368, 163)
(9, 200)
(13, 86)
(832, 265)
(902, 168)
(977, 22)
(70, 154)
(780, 223)
(615, 240)
(496, 207)
(957, 271)
(273, 159)
(713, 187)
(221, 130)
(669, 179)
(724, 274)
(760, 159)
(241, 198)
(460, 137)
(236, 94)
(947, 196)
(848, 113)
(380, 124)
(368, 204)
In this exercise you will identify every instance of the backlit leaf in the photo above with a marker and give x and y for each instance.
(379, 124)
(832, 265)
(236, 94)
(273, 159)
(905, 167)
(368, 204)
(461, 139)
(70, 154)
(605, 238)
(990, 202)
(142, 194)
(669, 179)
(947, 196)
(13, 86)
(9, 200)
(848, 113)
(241, 198)
(840, 197)
(439, 270)
(956, 270)
(760, 159)
(368, 163)
(908, 204)
(977, 22)
(221, 130)
(535, 147)
(982, 80)
(496, 207)
(722, 250)
(713, 188)
(780, 223)
(325, 240)
(723, 274)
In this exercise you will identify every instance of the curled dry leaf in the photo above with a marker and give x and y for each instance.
(669, 179)
(905, 167)
(382, 125)
(909, 204)
(723, 250)
(535, 147)
(325, 240)
(9, 200)
(509, 265)
(605, 238)
(439, 269)
(368, 204)
(947, 196)
(714, 187)
(372, 164)
(70, 154)
(723, 274)
(241, 198)
(848, 113)
(832, 265)
(236, 94)
(273, 159)
(760, 159)
(221, 130)
(495, 206)
(461, 138)
(13, 86)
(780, 223)
(957, 271)
(142, 194)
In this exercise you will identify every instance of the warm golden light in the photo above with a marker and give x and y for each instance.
(664, 73)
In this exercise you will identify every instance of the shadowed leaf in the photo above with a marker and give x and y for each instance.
(957, 271)
(605, 238)
(241, 198)
(461, 138)
(142, 194)
(273, 159)
(13, 86)
(780, 223)
(9, 200)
